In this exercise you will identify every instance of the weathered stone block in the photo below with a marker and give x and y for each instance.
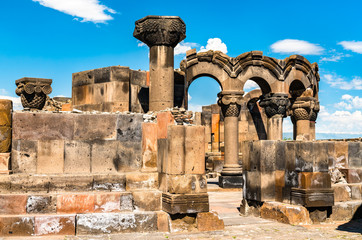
(104, 157)
(355, 154)
(309, 180)
(105, 223)
(280, 162)
(126, 202)
(312, 197)
(54, 225)
(255, 154)
(231, 181)
(341, 151)
(176, 149)
(342, 192)
(6, 107)
(183, 183)
(43, 126)
(113, 183)
(267, 180)
(185, 203)
(29, 183)
(12, 204)
(285, 213)
(149, 147)
(268, 155)
(320, 154)
(138, 78)
(163, 221)
(164, 119)
(5, 138)
(331, 154)
(352, 175)
(107, 202)
(71, 183)
(341, 212)
(103, 127)
(5, 184)
(129, 156)
(77, 157)
(24, 156)
(304, 157)
(16, 226)
(82, 78)
(162, 154)
(41, 204)
(141, 181)
(290, 156)
(194, 150)
(129, 127)
(147, 200)
(356, 192)
(75, 203)
(50, 156)
(252, 188)
(209, 221)
(4, 161)
(82, 95)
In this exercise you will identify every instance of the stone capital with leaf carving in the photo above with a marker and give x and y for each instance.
(305, 108)
(275, 104)
(160, 30)
(230, 102)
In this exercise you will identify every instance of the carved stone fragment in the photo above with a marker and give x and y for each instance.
(33, 91)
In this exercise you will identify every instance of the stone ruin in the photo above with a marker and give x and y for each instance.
(124, 154)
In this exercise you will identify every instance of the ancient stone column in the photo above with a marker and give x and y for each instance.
(33, 91)
(6, 107)
(230, 102)
(161, 34)
(313, 119)
(276, 105)
(303, 110)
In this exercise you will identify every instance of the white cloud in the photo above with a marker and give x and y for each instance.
(341, 83)
(87, 10)
(354, 46)
(250, 85)
(349, 102)
(182, 47)
(334, 56)
(294, 46)
(214, 44)
(141, 44)
(16, 101)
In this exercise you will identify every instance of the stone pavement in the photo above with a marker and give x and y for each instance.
(226, 203)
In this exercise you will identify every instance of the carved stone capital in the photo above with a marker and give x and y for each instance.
(305, 108)
(230, 102)
(33, 91)
(275, 104)
(160, 30)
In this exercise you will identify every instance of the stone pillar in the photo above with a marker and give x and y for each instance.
(33, 91)
(313, 119)
(6, 107)
(276, 105)
(231, 175)
(161, 34)
(304, 109)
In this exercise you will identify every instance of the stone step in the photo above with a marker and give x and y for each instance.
(80, 202)
(352, 175)
(80, 224)
(26, 183)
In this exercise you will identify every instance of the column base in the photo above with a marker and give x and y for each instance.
(231, 181)
(313, 197)
(185, 203)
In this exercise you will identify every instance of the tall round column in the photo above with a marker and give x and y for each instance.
(231, 175)
(276, 105)
(161, 34)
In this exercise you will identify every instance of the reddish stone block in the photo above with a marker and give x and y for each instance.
(67, 107)
(342, 193)
(215, 127)
(149, 146)
(16, 226)
(54, 225)
(13, 204)
(164, 119)
(107, 202)
(309, 180)
(209, 221)
(75, 203)
(163, 222)
(352, 175)
(4, 161)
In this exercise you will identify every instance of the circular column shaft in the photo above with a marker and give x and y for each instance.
(276, 105)
(161, 34)
(230, 102)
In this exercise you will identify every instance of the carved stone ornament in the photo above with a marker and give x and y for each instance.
(33, 91)
(160, 30)
(305, 108)
(230, 102)
(275, 103)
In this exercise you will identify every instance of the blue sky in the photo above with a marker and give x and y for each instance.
(54, 38)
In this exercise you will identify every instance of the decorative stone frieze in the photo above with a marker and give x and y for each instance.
(160, 30)
(230, 102)
(33, 91)
(275, 104)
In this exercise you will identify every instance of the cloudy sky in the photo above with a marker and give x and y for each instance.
(54, 38)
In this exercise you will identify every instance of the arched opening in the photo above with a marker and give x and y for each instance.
(296, 89)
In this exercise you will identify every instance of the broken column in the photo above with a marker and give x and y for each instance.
(275, 105)
(231, 175)
(161, 34)
(33, 91)
(6, 107)
(303, 110)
